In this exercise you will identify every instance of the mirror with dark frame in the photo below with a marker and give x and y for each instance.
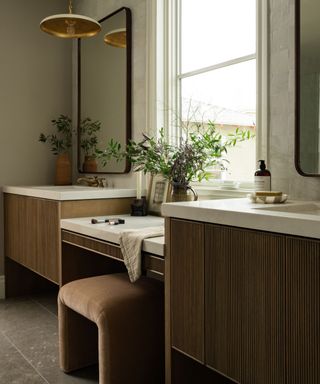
(104, 92)
(307, 140)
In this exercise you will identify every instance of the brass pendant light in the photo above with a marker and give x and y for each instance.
(116, 38)
(69, 25)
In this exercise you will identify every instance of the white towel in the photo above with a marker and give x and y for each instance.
(131, 244)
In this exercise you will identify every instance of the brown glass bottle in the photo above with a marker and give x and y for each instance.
(262, 177)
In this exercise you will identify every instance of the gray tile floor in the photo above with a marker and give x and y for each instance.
(29, 344)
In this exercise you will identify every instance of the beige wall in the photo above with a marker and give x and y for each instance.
(35, 73)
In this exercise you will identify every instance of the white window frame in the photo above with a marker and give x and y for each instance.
(163, 26)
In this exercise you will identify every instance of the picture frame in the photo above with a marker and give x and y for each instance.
(158, 193)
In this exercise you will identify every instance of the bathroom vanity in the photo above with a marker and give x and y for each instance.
(243, 290)
(89, 249)
(32, 227)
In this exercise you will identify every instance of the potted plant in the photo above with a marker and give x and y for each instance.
(60, 143)
(200, 147)
(88, 142)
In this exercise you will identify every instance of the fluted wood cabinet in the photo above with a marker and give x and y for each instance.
(32, 234)
(187, 288)
(303, 311)
(244, 303)
(32, 231)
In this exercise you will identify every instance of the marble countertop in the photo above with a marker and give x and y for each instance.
(69, 192)
(299, 218)
(106, 232)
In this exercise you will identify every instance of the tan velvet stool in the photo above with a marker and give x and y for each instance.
(129, 319)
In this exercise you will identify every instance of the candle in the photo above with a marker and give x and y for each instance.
(139, 183)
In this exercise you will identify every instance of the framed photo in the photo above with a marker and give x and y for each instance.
(158, 193)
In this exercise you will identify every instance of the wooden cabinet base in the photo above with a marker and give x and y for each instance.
(21, 281)
(243, 302)
(188, 371)
(32, 231)
(79, 263)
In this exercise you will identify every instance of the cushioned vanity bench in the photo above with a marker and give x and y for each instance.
(118, 323)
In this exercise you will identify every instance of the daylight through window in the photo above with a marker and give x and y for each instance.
(216, 76)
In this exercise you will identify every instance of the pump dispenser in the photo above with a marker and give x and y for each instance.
(262, 177)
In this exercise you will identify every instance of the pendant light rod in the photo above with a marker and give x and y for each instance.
(70, 6)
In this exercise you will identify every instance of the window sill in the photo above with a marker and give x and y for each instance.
(214, 192)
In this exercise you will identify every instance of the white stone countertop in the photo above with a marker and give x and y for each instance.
(69, 192)
(106, 232)
(300, 218)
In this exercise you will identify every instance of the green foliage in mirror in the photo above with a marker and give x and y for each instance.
(88, 136)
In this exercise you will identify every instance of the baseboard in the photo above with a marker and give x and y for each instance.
(2, 287)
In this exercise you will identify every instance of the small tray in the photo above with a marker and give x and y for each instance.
(267, 199)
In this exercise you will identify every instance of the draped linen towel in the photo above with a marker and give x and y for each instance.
(131, 245)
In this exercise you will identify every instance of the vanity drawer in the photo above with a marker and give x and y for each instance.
(89, 243)
(150, 263)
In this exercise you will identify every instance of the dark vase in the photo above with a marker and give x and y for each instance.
(89, 164)
(182, 192)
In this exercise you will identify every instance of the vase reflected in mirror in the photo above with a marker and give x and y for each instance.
(89, 164)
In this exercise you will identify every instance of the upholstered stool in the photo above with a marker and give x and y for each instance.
(121, 322)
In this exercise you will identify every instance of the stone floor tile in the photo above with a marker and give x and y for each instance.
(29, 330)
(40, 347)
(48, 301)
(14, 369)
(16, 314)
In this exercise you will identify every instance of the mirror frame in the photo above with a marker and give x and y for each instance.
(128, 90)
(297, 92)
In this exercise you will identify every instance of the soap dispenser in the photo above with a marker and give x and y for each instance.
(262, 177)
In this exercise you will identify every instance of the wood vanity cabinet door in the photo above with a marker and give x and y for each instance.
(32, 234)
(244, 301)
(187, 287)
(20, 226)
(303, 311)
(48, 239)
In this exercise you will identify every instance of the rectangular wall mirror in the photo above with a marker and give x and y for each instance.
(307, 154)
(104, 92)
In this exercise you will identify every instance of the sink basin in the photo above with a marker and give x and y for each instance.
(304, 208)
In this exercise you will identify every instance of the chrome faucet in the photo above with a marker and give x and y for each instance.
(95, 181)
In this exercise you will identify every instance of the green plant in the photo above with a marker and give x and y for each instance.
(88, 136)
(113, 150)
(200, 147)
(61, 141)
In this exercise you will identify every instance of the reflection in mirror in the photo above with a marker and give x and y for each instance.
(104, 92)
(308, 87)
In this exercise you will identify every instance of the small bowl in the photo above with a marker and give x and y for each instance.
(267, 199)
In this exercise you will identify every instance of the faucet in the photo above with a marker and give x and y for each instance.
(94, 181)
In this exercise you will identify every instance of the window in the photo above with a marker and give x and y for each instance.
(213, 56)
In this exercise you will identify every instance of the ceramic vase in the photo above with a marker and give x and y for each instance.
(63, 169)
(182, 192)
